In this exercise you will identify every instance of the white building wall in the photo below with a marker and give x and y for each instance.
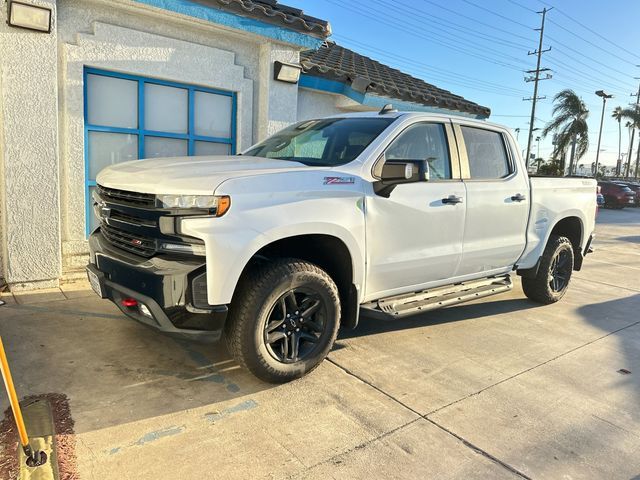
(277, 101)
(29, 138)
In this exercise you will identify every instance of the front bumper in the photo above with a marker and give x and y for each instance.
(164, 284)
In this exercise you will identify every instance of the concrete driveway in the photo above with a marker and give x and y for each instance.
(502, 388)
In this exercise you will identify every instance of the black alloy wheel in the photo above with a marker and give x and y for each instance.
(295, 325)
(560, 270)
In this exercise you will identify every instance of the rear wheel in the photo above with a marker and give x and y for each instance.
(284, 320)
(556, 266)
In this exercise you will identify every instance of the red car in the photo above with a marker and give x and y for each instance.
(635, 187)
(616, 195)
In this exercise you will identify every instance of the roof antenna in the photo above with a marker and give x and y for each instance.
(388, 108)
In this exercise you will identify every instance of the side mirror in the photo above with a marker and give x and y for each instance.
(405, 171)
(398, 171)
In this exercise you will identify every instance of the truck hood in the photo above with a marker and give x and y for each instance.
(187, 175)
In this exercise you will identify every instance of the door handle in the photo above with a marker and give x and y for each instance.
(452, 200)
(518, 197)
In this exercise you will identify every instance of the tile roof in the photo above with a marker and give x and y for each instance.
(273, 12)
(334, 62)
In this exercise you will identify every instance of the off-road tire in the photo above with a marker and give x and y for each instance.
(539, 288)
(251, 306)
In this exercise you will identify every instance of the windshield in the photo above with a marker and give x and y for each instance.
(328, 142)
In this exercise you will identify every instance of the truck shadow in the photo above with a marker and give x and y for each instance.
(372, 325)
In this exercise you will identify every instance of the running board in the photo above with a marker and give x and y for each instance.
(417, 302)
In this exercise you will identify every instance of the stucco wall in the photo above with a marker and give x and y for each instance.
(30, 206)
(277, 101)
(132, 38)
(315, 104)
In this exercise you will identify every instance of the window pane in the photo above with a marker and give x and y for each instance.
(211, 148)
(212, 115)
(165, 108)
(110, 148)
(424, 141)
(155, 147)
(487, 154)
(112, 102)
(93, 220)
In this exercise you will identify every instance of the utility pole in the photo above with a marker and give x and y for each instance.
(633, 132)
(536, 78)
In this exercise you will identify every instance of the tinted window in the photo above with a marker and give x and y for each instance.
(487, 153)
(328, 142)
(423, 141)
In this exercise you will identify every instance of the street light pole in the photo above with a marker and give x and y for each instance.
(604, 96)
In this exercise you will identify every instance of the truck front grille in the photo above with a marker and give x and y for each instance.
(127, 198)
(132, 220)
(134, 243)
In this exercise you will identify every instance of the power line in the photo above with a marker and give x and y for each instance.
(587, 80)
(576, 60)
(522, 6)
(499, 15)
(421, 29)
(619, 83)
(602, 37)
(577, 81)
(496, 14)
(417, 32)
(476, 21)
(471, 84)
(613, 69)
(457, 27)
(467, 81)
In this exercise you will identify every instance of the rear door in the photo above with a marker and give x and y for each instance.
(497, 200)
(413, 237)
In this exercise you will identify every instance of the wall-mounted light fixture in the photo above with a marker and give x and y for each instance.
(286, 72)
(32, 17)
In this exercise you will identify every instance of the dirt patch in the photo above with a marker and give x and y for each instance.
(65, 441)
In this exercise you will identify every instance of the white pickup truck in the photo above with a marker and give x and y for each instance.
(274, 249)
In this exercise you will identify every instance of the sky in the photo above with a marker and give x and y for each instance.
(479, 49)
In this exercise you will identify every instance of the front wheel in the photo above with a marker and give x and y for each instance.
(556, 266)
(283, 320)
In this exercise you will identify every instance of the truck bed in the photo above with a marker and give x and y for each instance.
(552, 197)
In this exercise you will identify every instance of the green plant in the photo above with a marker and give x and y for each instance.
(569, 122)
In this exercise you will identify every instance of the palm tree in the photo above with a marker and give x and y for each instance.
(570, 123)
(633, 114)
(617, 114)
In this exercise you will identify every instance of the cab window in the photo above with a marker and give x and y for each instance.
(424, 141)
(487, 153)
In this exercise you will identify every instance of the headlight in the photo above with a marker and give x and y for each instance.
(218, 205)
(193, 249)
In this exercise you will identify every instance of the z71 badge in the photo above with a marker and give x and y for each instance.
(339, 180)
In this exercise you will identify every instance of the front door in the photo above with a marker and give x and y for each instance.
(414, 237)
